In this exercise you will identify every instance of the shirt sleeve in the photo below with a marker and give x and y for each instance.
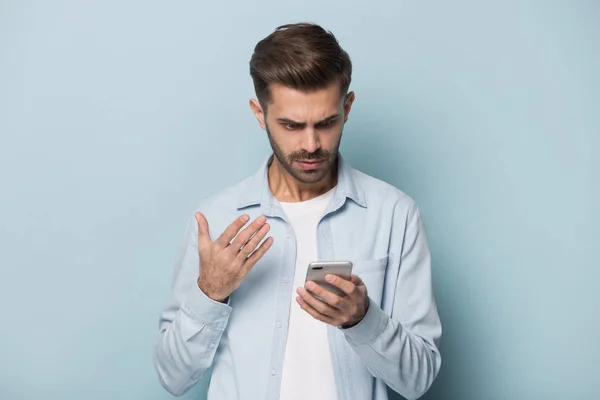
(190, 325)
(402, 348)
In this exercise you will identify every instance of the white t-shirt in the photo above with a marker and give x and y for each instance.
(307, 369)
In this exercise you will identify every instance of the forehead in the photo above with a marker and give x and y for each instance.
(300, 105)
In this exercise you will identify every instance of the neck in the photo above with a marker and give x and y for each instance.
(286, 188)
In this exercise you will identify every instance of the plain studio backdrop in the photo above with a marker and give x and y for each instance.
(118, 118)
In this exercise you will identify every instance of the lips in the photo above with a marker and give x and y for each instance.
(310, 164)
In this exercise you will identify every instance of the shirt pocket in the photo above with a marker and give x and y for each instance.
(370, 265)
(372, 273)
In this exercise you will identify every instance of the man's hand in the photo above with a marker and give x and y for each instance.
(345, 311)
(225, 263)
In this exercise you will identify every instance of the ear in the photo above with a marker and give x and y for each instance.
(258, 112)
(348, 105)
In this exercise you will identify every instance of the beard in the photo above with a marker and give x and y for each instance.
(329, 158)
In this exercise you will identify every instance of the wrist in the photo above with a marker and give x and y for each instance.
(210, 293)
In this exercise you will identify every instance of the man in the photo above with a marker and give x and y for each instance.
(239, 305)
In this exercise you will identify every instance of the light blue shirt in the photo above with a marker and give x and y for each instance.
(369, 222)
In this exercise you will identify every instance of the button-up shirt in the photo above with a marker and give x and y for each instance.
(242, 342)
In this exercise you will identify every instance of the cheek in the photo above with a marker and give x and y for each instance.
(286, 141)
(331, 138)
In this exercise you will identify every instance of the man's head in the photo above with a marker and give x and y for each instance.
(301, 76)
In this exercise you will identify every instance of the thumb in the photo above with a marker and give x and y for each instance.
(204, 242)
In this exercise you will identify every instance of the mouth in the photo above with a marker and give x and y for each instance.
(310, 164)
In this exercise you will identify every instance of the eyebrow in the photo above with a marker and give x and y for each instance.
(303, 124)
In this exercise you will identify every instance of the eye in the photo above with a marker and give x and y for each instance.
(326, 124)
(291, 127)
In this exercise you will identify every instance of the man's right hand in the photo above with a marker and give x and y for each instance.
(226, 262)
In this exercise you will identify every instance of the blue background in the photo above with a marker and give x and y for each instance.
(117, 118)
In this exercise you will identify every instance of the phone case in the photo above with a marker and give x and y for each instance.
(318, 269)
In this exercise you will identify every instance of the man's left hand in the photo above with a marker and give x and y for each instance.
(342, 311)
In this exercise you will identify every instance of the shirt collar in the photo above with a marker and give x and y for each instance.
(258, 192)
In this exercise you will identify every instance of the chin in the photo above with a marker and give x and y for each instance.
(311, 177)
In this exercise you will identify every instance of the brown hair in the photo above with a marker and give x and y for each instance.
(302, 56)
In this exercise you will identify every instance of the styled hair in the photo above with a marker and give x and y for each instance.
(301, 56)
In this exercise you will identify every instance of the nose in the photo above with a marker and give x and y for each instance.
(311, 141)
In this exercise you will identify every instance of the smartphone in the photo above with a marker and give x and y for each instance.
(318, 269)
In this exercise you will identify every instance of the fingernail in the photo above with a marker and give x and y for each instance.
(300, 291)
(262, 219)
(330, 278)
(310, 286)
(245, 218)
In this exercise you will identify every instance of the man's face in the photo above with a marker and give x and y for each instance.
(305, 129)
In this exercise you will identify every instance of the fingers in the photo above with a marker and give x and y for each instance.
(258, 253)
(204, 241)
(314, 313)
(230, 232)
(253, 243)
(356, 280)
(318, 305)
(244, 236)
(328, 297)
(346, 286)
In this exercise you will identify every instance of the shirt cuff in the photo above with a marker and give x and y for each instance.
(203, 309)
(369, 328)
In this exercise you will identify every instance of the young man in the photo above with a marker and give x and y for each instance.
(239, 305)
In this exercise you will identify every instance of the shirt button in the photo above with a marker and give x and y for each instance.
(287, 237)
(278, 324)
(286, 279)
(273, 372)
